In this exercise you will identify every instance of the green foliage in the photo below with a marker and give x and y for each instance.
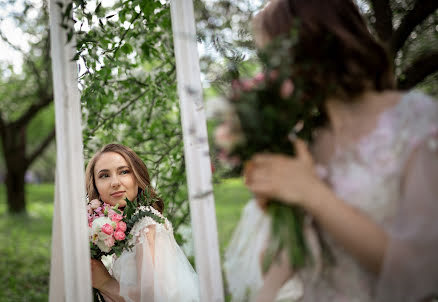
(128, 88)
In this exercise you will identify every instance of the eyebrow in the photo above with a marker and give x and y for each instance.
(119, 168)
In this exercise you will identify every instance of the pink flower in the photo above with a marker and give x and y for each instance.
(287, 88)
(107, 229)
(95, 203)
(121, 226)
(116, 217)
(109, 242)
(247, 85)
(259, 78)
(119, 235)
(225, 138)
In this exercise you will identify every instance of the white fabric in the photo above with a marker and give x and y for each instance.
(242, 258)
(375, 176)
(156, 269)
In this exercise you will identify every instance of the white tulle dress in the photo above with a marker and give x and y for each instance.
(391, 174)
(156, 270)
(242, 258)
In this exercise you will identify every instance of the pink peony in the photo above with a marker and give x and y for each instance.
(119, 235)
(116, 217)
(95, 203)
(109, 242)
(121, 226)
(287, 88)
(107, 229)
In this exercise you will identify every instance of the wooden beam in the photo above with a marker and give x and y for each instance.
(70, 246)
(196, 150)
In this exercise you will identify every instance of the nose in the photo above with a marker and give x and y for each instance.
(115, 182)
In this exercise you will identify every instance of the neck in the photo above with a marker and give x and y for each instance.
(347, 114)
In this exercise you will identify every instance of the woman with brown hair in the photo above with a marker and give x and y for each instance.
(370, 177)
(155, 269)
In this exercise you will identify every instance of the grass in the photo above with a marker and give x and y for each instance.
(26, 239)
(25, 247)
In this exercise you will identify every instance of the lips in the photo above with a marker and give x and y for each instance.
(118, 194)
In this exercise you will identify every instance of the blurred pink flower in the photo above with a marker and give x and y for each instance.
(287, 88)
(119, 235)
(260, 77)
(121, 226)
(225, 138)
(95, 203)
(107, 229)
(116, 217)
(109, 242)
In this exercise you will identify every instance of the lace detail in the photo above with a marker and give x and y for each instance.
(142, 225)
(368, 176)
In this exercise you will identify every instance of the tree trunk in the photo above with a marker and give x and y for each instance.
(15, 191)
(14, 149)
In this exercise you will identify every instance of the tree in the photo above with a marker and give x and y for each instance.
(23, 96)
(406, 27)
(128, 89)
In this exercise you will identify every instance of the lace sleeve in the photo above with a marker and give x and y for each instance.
(410, 269)
(156, 269)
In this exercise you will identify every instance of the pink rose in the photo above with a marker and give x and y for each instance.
(121, 226)
(107, 229)
(287, 88)
(95, 203)
(119, 235)
(116, 217)
(109, 242)
(259, 78)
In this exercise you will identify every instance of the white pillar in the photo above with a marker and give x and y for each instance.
(196, 152)
(70, 268)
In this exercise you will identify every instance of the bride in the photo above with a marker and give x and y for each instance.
(156, 269)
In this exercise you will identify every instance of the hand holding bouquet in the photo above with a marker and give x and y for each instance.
(266, 111)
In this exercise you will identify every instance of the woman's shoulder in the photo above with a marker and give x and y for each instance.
(154, 219)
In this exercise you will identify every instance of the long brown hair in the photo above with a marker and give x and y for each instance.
(334, 35)
(135, 163)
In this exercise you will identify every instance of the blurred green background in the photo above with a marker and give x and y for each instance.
(26, 239)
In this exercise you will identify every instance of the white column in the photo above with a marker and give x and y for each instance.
(70, 271)
(196, 152)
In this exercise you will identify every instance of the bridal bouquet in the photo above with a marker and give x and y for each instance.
(265, 112)
(109, 227)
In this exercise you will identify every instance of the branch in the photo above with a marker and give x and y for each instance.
(118, 112)
(33, 110)
(2, 124)
(41, 147)
(422, 67)
(26, 58)
(422, 9)
(383, 15)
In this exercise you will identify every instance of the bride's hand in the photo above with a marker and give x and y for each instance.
(99, 274)
(292, 180)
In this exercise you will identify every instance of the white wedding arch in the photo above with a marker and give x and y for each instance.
(70, 278)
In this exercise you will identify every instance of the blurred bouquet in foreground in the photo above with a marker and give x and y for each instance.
(109, 227)
(265, 112)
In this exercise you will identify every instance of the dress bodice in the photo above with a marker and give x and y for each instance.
(368, 175)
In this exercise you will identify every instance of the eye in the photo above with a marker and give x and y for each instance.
(125, 172)
(103, 175)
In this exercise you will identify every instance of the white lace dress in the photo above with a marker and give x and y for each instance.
(392, 175)
(156, 270)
